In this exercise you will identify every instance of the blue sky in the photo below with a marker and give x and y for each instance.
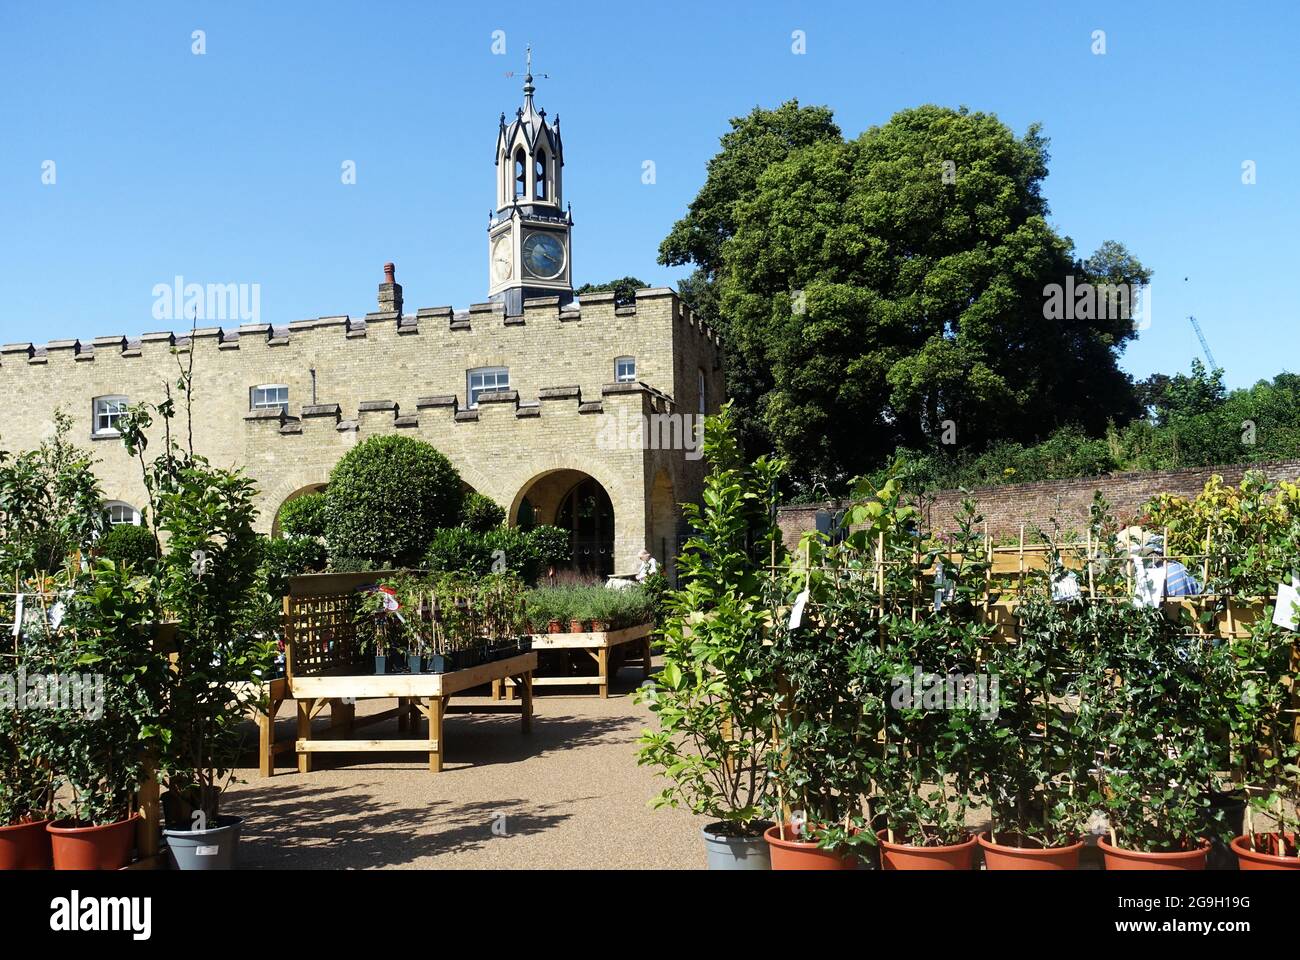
(225, 168)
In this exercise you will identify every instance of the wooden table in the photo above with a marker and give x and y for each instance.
(601, 646)
(417, 694)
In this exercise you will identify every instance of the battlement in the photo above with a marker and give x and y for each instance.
(593, 308)
(379, 416)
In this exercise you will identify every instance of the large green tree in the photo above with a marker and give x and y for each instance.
(891, 290)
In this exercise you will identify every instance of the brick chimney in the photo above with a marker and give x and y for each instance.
(390, 292)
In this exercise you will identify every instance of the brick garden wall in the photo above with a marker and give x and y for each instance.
(1005, 507)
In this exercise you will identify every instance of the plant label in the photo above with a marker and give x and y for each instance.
(211, 851)
(1065, 589)
(1284, 614)
(796, 612)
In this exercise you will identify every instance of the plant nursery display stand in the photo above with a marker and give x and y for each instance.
(417, 694)
(605, 647)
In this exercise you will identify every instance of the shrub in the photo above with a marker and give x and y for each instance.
(525, 553)
(304, 516)
(130, 545)
(481, 513)
(285, 557)
(386, 497)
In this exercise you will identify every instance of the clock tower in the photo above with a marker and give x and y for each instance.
(529, 234)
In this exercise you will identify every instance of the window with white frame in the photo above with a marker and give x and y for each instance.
(625, 370)
(486, 380)
(270, 396)
(119, 512)
(106, 415)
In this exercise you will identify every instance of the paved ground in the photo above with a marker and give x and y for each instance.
(568, 795)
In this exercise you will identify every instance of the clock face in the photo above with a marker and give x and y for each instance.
(502, 267)
(543, 255)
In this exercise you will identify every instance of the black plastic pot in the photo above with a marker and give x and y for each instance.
(381, 666)
(441, 663)
(414, 663)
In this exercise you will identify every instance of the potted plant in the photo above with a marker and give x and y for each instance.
(27, 781)
(1266, 755)
(206, 581)
(942, 697)
(1152, 702)
(101, 749)
(713, 699)
(1036, 760)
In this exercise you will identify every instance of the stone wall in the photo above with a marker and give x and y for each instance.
(1005, 507)
(391, 372)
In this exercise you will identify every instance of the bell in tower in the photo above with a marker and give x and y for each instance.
(529, 235)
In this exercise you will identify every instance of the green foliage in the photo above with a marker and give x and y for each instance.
(1160, 729)
(753, 143)
(107, 632)
(50, 504)
(128, 544)
(386, 497)
(441, 613)
(304, 516)
(1191, 422)
(624, 289)
(617, 609)
(874, 302)
(285, 557)
(206, 582)
(481, 513)
(713, 699)
(525, 553)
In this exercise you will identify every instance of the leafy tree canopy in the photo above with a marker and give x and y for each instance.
(624, 289)
(890, 290)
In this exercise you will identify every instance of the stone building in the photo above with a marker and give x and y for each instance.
(541, 402)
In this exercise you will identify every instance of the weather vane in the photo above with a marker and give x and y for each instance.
(528, 65)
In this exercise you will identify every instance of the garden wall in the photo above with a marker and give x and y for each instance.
(1005, 507)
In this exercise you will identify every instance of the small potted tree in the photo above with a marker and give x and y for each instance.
(27, 783)
(1266, 755)
(1035, 759)
(206, 581)
(714, 697)
(102, 750)
(1151, 700)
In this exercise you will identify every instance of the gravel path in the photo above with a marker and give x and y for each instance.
(568, 795)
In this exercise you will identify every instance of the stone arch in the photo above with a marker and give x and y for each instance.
(662, 523)
(300, 492)
(577, 501)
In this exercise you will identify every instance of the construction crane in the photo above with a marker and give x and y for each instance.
(1209, 357)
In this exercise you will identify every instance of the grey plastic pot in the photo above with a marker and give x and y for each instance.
(736, 853)
(212, 849)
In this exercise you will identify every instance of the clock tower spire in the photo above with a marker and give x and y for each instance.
(528, 236)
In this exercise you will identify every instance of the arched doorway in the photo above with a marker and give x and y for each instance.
(586, 511)
(578, 503)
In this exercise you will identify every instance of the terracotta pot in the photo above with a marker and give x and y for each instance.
(555, 626)
(1264, 856)
(1118, 858)
(93, 848)
(599, 626)
(25, 846)
(576, 626)
(793, 855)
(997, 856)
(903, 856)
